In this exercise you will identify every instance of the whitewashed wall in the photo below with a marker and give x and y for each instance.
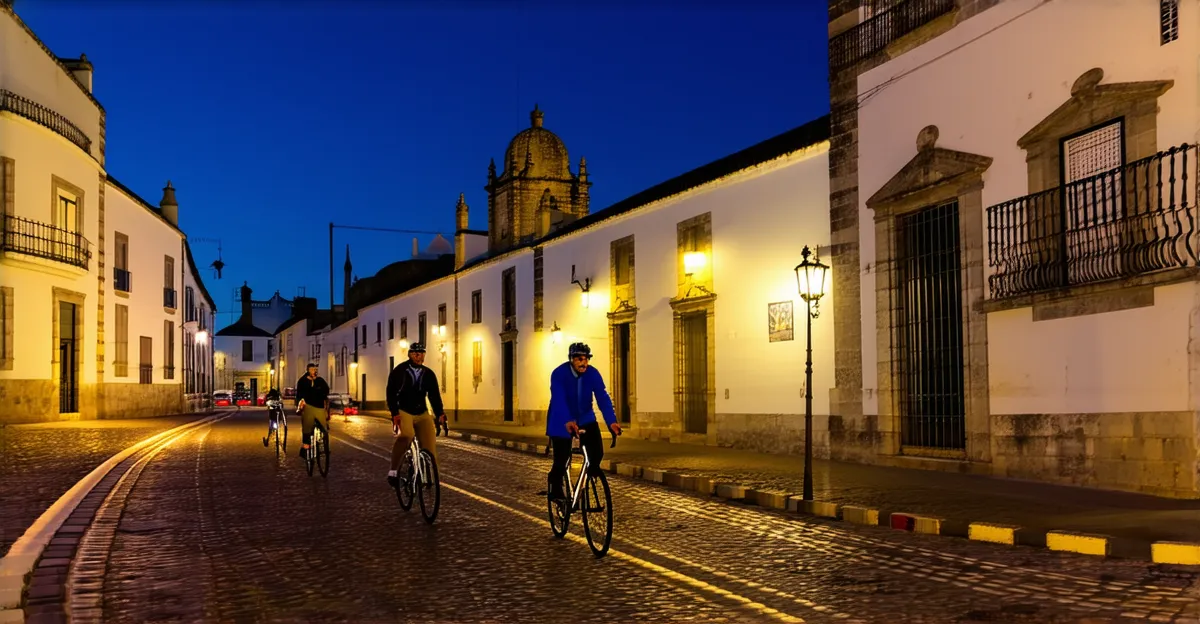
(151, 240)
(488, 395)
(984, 84)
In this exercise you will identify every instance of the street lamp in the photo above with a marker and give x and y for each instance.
(810, 281)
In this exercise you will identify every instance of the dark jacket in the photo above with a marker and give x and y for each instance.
(571, 399)
(407, 387)
(314, 393)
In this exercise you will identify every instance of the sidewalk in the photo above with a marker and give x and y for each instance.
(39, 462)
(1133, 520)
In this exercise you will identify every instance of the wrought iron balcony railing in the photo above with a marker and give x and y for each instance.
(169, 298)
(875, 33)
(122, 280)
(41, 115)
(1132, 220)
(31, 238)
(145, 374)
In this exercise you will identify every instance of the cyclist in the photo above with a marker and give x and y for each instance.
(312, 402)
(272, 398)
(572, 386)
(407, 387)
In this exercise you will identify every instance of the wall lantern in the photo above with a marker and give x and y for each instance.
(441, 329)
(556, 333)
(201, 337)
(693, 261)
(584, 287)
(403, 345)
(442, 348)
(271, 372)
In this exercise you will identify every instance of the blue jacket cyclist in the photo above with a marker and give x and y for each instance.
(572, 386)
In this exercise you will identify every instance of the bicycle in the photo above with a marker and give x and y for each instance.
(278, 424)
(318, 452)
(561, 511)
(423, 477)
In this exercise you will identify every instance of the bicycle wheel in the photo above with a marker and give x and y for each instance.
(560, 511)
(429, 487)
(311, 457)
(278, 442)
(404, 492)
(285, 436)
(322, 450)
(597, 513)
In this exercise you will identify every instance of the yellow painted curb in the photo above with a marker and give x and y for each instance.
(860, 515)
(994, 533)
(1082, 543)
(1183, 553)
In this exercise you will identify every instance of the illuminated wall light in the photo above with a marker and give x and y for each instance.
(201, 337)
(584, 297)
(693, 261)
(556, 332)
(404, 345)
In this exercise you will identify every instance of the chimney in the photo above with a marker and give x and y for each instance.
(168, 206)
(80, 68)
(416, 248)
(247, 309)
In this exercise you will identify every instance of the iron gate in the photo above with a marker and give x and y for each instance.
(929, 271)
(68, 386)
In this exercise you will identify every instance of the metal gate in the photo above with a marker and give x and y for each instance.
(693, 372)
(929, 315)
(68, 382)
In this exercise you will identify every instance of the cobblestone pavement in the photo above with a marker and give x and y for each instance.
(217, 529)
(1138, 518)
(40, 462)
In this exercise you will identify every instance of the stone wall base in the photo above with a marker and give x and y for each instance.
(1149, 452)
(125, 400)
(496, 417)
(28, 401)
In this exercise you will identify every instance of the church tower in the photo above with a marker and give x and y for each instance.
(536, 192)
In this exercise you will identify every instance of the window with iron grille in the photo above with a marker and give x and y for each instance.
(404, 328)
(146, 364)
(168, 350)
(1169, 15)
(477, 306)
(314, 351)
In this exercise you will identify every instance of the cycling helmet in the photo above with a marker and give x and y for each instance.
(580, 348)
(416, 347)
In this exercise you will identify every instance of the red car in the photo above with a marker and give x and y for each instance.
(222, 398)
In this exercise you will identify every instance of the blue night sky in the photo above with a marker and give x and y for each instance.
(274, 118)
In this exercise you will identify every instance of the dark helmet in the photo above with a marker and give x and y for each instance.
(579, 348)
(416, 347)
(311, 365)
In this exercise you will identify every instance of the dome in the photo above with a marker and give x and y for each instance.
(548, 152)
(439, 246)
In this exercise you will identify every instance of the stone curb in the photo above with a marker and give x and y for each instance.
(17, 567)
(1161, 552)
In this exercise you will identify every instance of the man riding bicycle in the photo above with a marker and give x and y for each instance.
(572, 386)
(312, 401)
(407, 387)
(274, 405)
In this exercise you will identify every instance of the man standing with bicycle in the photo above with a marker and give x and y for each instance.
(572, 386)
(312, 401)
(273, 404)
(407, 388)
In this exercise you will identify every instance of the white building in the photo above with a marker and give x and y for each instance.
(1014, 194)
(707, 350)
(80, 338)
(242, 350)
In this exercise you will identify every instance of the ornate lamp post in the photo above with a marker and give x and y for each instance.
(810, 281)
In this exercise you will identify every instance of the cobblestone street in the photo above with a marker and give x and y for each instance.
(217, 529)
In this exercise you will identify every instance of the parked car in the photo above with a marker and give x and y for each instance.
(262, 399)
(241, 397)
(343, 404)
(222, 398)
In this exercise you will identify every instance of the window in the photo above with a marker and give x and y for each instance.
(378, 332)
(314, 351)
(121, 341)
(477, 306)
(442, 320)
(203, 317)
(1169, 14)
(146, 362)
(538, 294)
(67, 216)
(122, 277)
(391, 329)
(623, 261)
(247, 350)
(404, 328)
(508, 299)
(168, 350)
(288, 341)
(421, 328)
(364, 335)
(6, 328)
(169, 282)
(189, 304)
(391, 362)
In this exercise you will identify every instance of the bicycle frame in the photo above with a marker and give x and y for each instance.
(415, 450)
(577, 488)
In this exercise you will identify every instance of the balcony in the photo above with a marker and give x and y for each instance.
(30, 238)
(1133, 220)
(145, 374)
(169, 298)
(874, 34)
(23, 107)
(122, 280)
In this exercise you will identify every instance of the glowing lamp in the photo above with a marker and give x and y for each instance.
(584, 298)
(693, 261)
(201, 337)
(810, 277)
(556, 332)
